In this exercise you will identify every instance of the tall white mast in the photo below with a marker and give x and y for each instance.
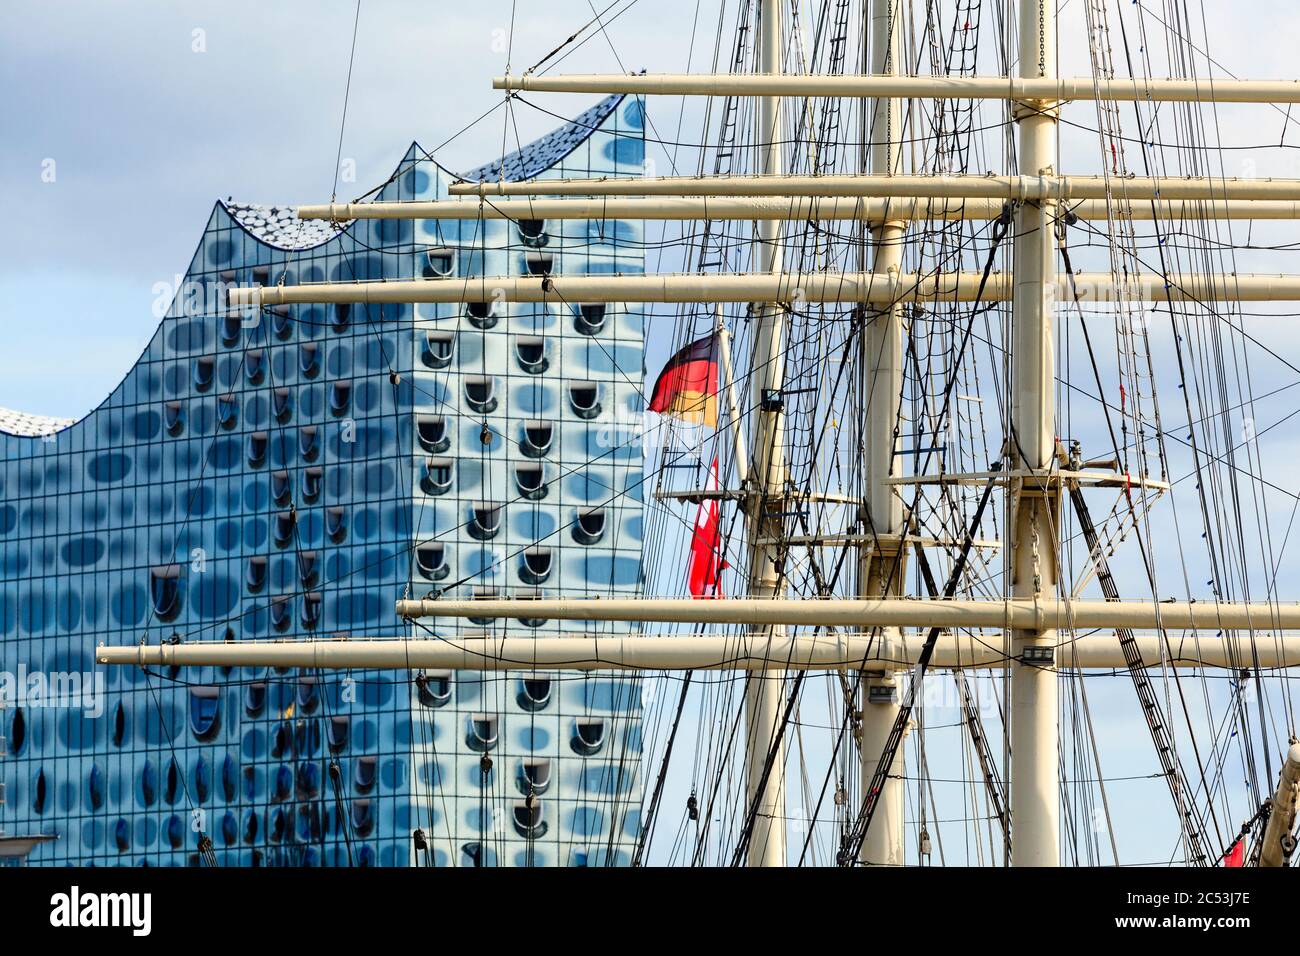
(1035, 521)
(883, 565)
(764, 699)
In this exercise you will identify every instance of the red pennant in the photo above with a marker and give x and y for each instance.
(1236, 855)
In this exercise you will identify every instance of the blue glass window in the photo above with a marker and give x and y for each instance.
(530, 353)
(172, 784)
(532, 232)
(539, 263)
(39, 792)
(308, 567)
(205, 708)
(232, 324)
(432, 432)
(311, 605)
(281, 613)
(174, 417)
(363, 817)
(119, 724)
(281, 322)
(175, 832)
(280, 487)
(255, 366)
(363, 777)
(536, 439)
(481, 315)
(431, 561)
(255, 576)
(204, 372)
(309, 442)
(95, 787)
(285, 521)
(480, 393)
(534, 776)
(437, 476)
(534, 692)
(337, 732)
(584, 399)
(484, 520)
(283, 784)
(433, 688)
(440, 263)
(336, 523)
(481, 733)
(310, 483)
(340, 397)
(17, 732)
(254, 696)
(258, 442)
(308, 781)
(202, 781)
(309, 359)
(529, 823)
(148, 784)
(588, 736)
(535, 565)
(439, 348)
(165, 590)
(589, 319)
(281, 403)
(476, 854)
(589, 526)
(227, 411)
(229, 779)
(530, 481)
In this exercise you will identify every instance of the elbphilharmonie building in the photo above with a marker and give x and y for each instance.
(294, 472)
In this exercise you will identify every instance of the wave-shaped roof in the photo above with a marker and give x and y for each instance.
(279, 226)
(30, 426)
(541, 154)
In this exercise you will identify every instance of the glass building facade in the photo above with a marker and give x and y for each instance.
(293, 473)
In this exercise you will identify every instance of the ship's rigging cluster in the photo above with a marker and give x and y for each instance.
(968, 516)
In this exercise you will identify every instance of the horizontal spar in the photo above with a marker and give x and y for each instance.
(921, 87)
(1006, 188)
(897, 612)
(648, 652)
(795, 208)
(875, 288)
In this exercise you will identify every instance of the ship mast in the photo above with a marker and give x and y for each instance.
(1035, 523)
(882, 559)
(765, 749)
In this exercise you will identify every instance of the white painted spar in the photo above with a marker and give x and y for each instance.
(869, 287)
(1018, 88)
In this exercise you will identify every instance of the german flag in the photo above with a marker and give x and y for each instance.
(687, 388)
